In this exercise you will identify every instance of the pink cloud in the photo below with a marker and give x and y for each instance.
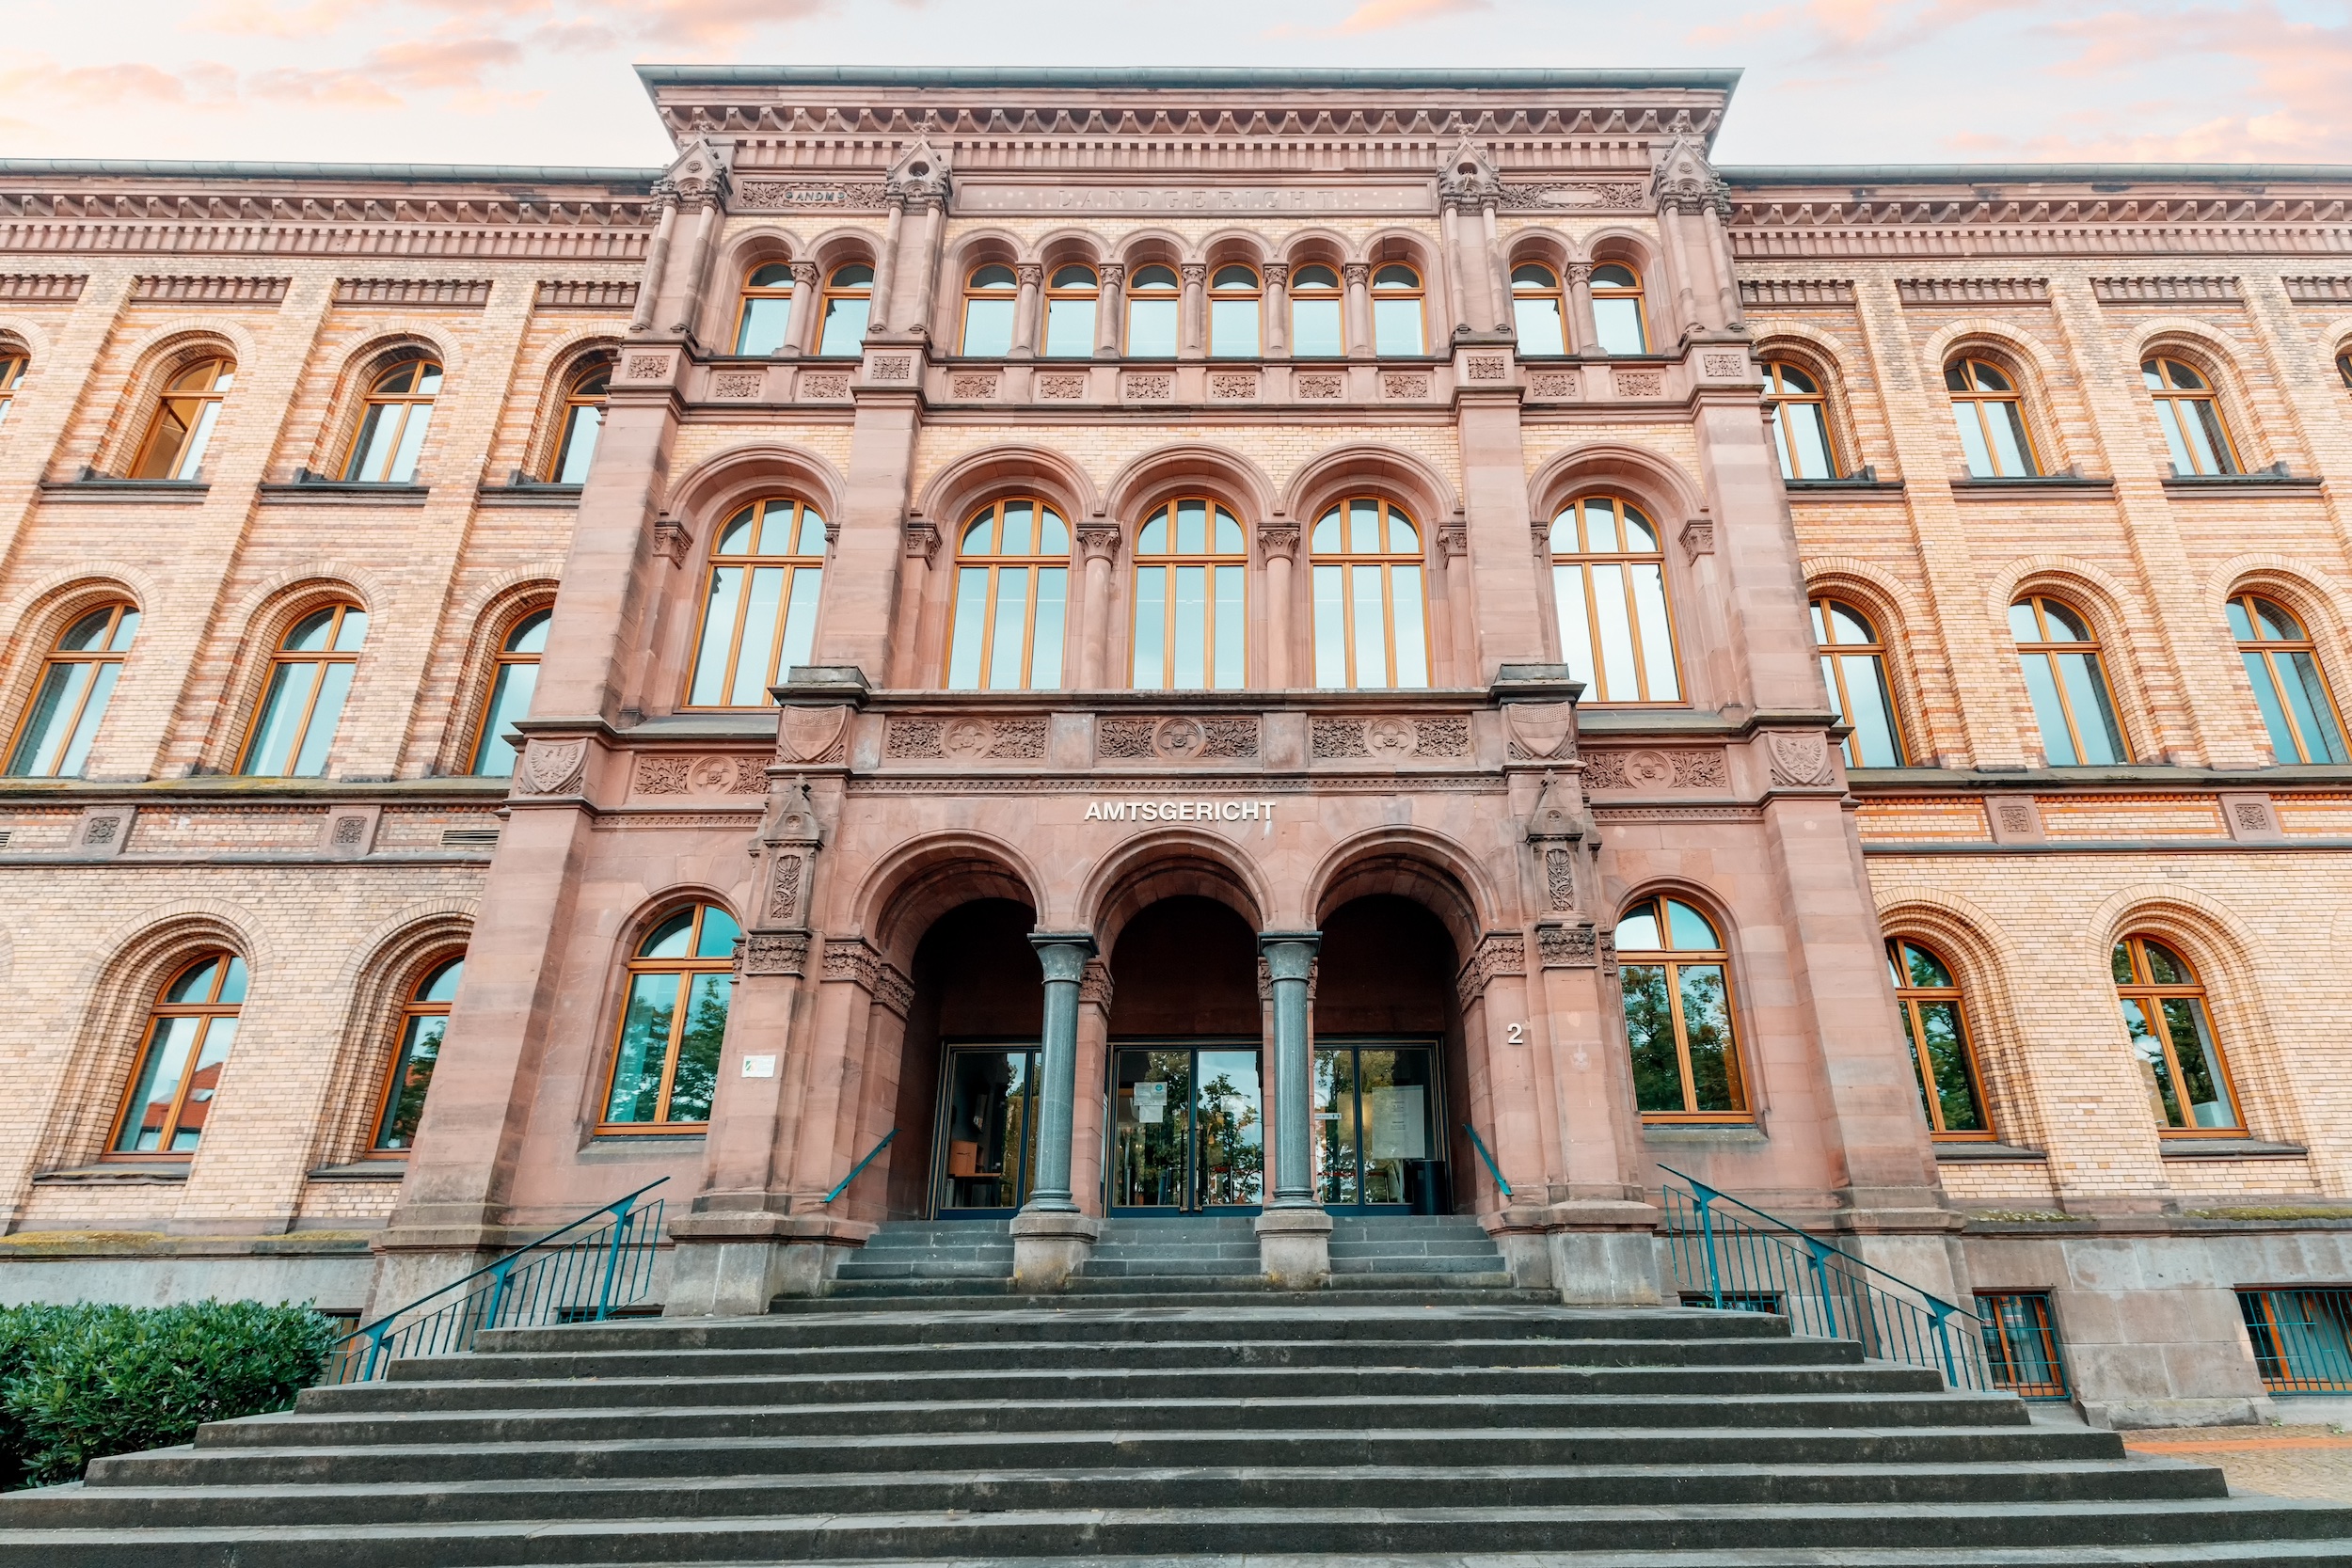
(1379, 16)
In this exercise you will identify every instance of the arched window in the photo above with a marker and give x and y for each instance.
(1676, 977)
(518, 677)
(763, 322)
(2072, 704)
(188, 1035)
(1318, 319)
(2164, 1011)
(422, 1023)
(991, 295)
(1371, 626)
(759, 611)
(665, 1063)
(13, 364)
(1617, 313)
(1608, 581)
(2343, 367)
(848, 298)
(55, 739)
(308, 682)
(583, 421)
(392, 430)
(1538, 310)
(1154, 307)
(1191, 606)
(1012, 585)
(1937, 1028)
(1799, 422)
(1233, 295)
(2283, 669)
(1399, 322)
(1992, 421)
(2185, 407)
(182, 426)
(1070, 301)
(1854, 664)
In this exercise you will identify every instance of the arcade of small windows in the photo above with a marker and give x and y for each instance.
(1854, 667)
(308, 681)
(1235, 297)
(2073, 706)
(423, 1023)
(189, 1031)
(1070, 297)
(2180, 1061)
(665, 1061)
(1991, 421)
(1937, 1028)
(2282, 667)
(760, 608)
(1399, 315)
(1609, 585)
(1012, 596)
(182, 429)
(991, 297)
(1799, 422)
(70, 701)
(1675, 975)
(1155, 302)
(1372, 626)
(1191, 599)
(2191, 418)
(581, 423)
(511, 688)
(398, 415)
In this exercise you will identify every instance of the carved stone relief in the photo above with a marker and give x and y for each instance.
(1389, 738)
(737, 385)
(551, 767)
(848, 958)
(1177, 739)
(1641, 383)
(1553, 385)
(966, 739)
(1541, 730)
(812, 734)
(661, 774)
(1656, 770)
(1319, 387)
(774, 952)
(1801, 760)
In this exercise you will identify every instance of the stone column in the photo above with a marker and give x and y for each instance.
(1278, 310)
(1358, 276)
(1050, 1237)
(1583, 325)
(1099, 545)
(1192, 325)
(1278, 542)
(923, 267)
(1025, 310)
(922, 549)
(1110, 302)
(708, 216)
(657, 257)
(803, 321)
(887, 265)
(1294, 1232)
(1458, 266)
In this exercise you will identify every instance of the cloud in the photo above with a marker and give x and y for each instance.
(264, 19)
(1381, 16)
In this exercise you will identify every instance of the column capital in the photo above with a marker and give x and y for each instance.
(1288, 953)
(1064, 954)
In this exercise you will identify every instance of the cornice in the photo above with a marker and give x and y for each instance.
(2160, 209)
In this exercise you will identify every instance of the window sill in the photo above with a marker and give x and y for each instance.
(128, 1172)
(362, 1170)
(1854, 485)
(344, 493)
(528, 493)
(1703, 1133)
(102, 487)
(1975, 486)
(1961, 1152)
(2229, 1148)
(2265, 479)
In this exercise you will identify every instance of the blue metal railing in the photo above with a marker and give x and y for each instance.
(843, 1185)
(1725, 1253)
(583, 1272)
(1492, 1169)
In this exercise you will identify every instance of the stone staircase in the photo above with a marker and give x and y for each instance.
(1458, 1428)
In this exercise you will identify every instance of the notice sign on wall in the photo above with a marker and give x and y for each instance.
(1398, 1130)
(1151, 1102)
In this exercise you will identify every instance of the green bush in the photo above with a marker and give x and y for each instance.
(81, 1383)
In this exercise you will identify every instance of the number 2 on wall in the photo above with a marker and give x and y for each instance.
(1517, 1035)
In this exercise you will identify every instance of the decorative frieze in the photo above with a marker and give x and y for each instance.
(662, 773)
(1405, 383)
(1147, 386)
(973, 386)
(1318, 386)
(807, 195)
(1794, 294)
(1639, 383)
(1971, 291)
(59, 288)
(551, 767)
(1232, 386)
(772, 953)
(825, 386)
(1554, 386)
(1061, 386)
(2165, 291)
(1649, 769)
(2319, 291)
(1573, 196)
(1389, 738)
(1177, 739)
(556, 295)
(207, 290)
(738, 385)
(1498, 953)
(454, 293)
(855, 962)
(1576, 948)
(965, 739)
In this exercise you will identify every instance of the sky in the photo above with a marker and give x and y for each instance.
(549, 81)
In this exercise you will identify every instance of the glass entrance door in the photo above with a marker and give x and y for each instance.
(1377, 1116)
(988, 1134)
(1189, 1129)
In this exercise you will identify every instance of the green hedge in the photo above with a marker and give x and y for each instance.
(80, 1382)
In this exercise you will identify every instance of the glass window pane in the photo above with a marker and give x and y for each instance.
(963, 653)
(988, 327)
(1802, 423)
(580, 444)
(1192, 527)
(204, 1083)
(1638, 931)
(2087, 694)
(1190, 617)
(1689, 930)
(1012, 611)
(669, 938)
(1069, 328)
(1923, 969)
(192, 456)
(412, 430)
(845, 326)
(1576, 633)
(766, 324)
(334, 686)
(1015, 538)
(1412, 634)
(86, 729)
(812, 532)
(158, 1084)
(1657, 653)
(1706, 1025)
(1150, 626)
(1045, 655)
(2241, 626)
(2009, 438)
(1363, 528)
(698, 1049)
(1649, 1028)
(775, 530)
(2164, 1104)
(48, 722)
(2184, 461)
(1327, 539)
(1618, 679)
(2049, 714)
(510, 700)
(715, 939)
(1600, 525)
(281, 712)
(412, 1076)
(718, 615)
(1538, 324)
(1228, 540)
(800, 618)
(645, 1048)
(2201, 1073)
(1233, 328)
(1228, 1113)
(1396, 325)
(1947, 1058)
(1151, 328)
(351, 632)
(1780, 445)
(2267, 698)
(2021, 622)
(1619, 321)
(1330, 626)
(2305, 694)
(2206, 428)
(1974, 448)
(1873, 742)
(1232, 622)
(749, 688)
(1315, 332)
(1371, 652)
(374, 447)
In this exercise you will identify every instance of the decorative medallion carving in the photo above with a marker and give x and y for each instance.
(737, 385)
(1319, 387)
(552, 766)
(1179, 739)
(1801, 760)
(1234, 386)
(1542, 729)
(1729, 366)
(2252, 816)
(1641, 383)
(2015, 816)
(1405, 383)
(348, 831)
(971, 386)
(1553, 385)
(966, 739)
(702, 774)
(1559, 880)
(1150, 387)
(1389, 738)
(827, 385)
(1656, 770)
(1061, 388)
(787, 195)
(892, 367)
(772, 953)
(1487, 366)
(812, 735)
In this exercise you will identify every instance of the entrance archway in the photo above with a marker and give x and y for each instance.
(1185, 1128)
(967, 1081)
(1388, 1060)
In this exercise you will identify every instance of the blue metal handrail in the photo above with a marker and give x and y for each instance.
(843, 1185)
(581, 1272)
(1735, 1256)
(1492, 1169)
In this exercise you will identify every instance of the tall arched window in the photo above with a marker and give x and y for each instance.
(1991, 420)
(1937, 1028)
(1013, 587)
(2284, 669)
(392, 430)
(2191, 418)
(1233, 299)
(188, 1035)
(1191, 606)
(763, 320)
(1318, 313)
(1608, 581)
(760, 610)
(423, 1022)
(848, 298)
(1799, 422)
(55, 739)
(1676, 977)
(1617, 313)
(511, 688)
(2180, 1061)
(991, 297)
(12, 366)
(1070, 296)
(583, 421)
(1399, 315)
(1538, 310)
(308, 682)
(2343, 368)
(182, 426)
(2072, 702)
(1372, 628)
(665, 1062)
(1854, 664)
(1155, 309)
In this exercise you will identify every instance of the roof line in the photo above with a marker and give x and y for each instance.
(505, 174)
(1167, 77)
(1966, 174)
